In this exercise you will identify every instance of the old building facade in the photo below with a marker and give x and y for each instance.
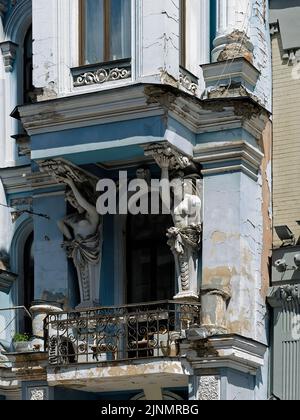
(125, 305)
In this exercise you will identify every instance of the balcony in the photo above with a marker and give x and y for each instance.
(118, 334)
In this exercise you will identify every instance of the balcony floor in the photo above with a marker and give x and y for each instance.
(133, 375)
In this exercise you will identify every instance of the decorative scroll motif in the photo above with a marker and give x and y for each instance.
(38, 394)
(82, 228)
(187, 83)
(209, 388)
(124, 333)
(184, 238)
(102, 76)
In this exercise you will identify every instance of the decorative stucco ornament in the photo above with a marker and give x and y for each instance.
(82, 229)
(209, 388)
(184, 238)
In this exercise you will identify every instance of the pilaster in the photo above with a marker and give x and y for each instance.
(232, 238)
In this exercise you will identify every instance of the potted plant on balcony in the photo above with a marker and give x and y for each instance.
(21, 342)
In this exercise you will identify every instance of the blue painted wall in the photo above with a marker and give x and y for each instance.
(108, 264)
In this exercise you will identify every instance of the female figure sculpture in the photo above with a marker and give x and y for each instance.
(184, 238)
(83, 232)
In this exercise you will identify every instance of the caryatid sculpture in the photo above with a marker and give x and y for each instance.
(82, 229)
(184, 238)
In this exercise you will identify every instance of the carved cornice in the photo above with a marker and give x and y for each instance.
(220, 157)
(237, 78)
(61, 167)
(227, 351)
(143, 101)
(23, 143)
(9, 51)
(29, 366)
(15, 179)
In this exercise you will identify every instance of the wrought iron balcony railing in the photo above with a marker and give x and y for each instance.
(150, 330)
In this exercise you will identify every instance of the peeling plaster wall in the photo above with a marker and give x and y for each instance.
(155, 45)
(45, 42)
(260, 38)
(160, 38)
(232, 250)
(267, 209)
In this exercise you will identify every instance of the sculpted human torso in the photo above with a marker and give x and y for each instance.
(81, 225)
(188, 212)
(85, 222)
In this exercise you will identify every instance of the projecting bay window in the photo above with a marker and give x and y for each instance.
(105, 27)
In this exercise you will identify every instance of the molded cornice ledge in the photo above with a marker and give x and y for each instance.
(220, 157)
(9, 52)
(227, 351)
(15, 179)
(138, 101)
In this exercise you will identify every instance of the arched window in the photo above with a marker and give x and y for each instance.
(150, 263)
(105, 28)
(27, 68)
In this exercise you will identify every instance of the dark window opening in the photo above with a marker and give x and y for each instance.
(150, 263)
(28, 286)
(28, 89)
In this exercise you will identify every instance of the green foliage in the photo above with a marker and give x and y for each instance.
(21, 338)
